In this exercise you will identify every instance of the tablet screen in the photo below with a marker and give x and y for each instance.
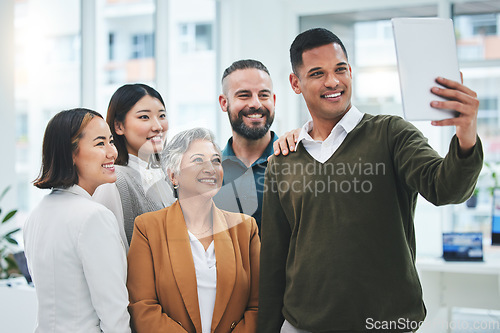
(425, 49)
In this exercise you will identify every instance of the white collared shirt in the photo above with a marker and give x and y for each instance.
(323, 150)
(149, 175)
(206, 280)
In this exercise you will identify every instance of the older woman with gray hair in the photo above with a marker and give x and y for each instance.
(191, 266)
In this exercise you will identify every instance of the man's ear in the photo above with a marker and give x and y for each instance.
(295, 83)
(223, 102)
(119, 127)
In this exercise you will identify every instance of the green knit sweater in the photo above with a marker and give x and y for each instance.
(338, 240)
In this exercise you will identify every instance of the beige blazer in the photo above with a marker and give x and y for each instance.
(162, 279)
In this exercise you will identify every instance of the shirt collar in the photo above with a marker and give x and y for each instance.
(348, 122)
(136, 163)
(228, 151)
(149, 175)
(75, 189)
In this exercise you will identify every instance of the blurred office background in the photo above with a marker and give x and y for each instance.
(60, 54)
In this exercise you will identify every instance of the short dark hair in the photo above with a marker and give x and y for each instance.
(120, 104)
(311, 39)
(244, 64)
(60, 142)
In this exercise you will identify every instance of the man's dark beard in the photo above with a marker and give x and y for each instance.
(254, 133)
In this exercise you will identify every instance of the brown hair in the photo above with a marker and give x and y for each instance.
(60, 142)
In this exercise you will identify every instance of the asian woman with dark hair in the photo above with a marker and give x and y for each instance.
(78, 288)
(138, 121)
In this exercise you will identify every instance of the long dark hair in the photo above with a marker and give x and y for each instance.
(60, 143)
(120, 104)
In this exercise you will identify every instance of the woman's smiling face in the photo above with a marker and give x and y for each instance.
(95, 156)
(144, 127)
(200, 171)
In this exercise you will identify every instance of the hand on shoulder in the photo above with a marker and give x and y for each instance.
(286, 143)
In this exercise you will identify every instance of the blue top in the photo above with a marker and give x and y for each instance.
(242, 188)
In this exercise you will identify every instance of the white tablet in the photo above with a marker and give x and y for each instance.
(425, 49)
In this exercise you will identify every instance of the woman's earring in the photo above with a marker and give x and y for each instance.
(176, 186)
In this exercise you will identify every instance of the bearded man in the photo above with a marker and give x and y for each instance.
(248, 98)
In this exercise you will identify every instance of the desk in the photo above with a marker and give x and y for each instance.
(18, 308)
(458, 284)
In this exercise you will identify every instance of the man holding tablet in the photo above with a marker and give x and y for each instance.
(338, 239)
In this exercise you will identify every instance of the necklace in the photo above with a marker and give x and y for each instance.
(203, 232)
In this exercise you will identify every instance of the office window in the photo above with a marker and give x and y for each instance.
(478, 36)
(47, 64)
(192, 70)
(22, 138)
(48, 48)
(374, 44)
(193, 114)
(111, 46)
(22, 127)
(195, 37)
(484, 25)
(203, 36)
(142, 46)
(376, 87)
(125, 46)
(23, 188)
(477, 26)
(63, 49)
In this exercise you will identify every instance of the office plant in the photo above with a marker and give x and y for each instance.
(493, 169)
(489, 180)
(8, 244)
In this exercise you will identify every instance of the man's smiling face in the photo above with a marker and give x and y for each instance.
(325, 81)
(249, 101)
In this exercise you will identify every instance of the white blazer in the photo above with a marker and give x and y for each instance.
(77, 261)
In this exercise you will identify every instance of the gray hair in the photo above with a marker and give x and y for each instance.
(171, 156)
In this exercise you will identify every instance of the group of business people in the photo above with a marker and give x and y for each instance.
(192, 267)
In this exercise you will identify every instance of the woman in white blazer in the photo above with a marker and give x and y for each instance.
(74, 250)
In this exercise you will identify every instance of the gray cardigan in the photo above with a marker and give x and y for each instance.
(135, 201)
